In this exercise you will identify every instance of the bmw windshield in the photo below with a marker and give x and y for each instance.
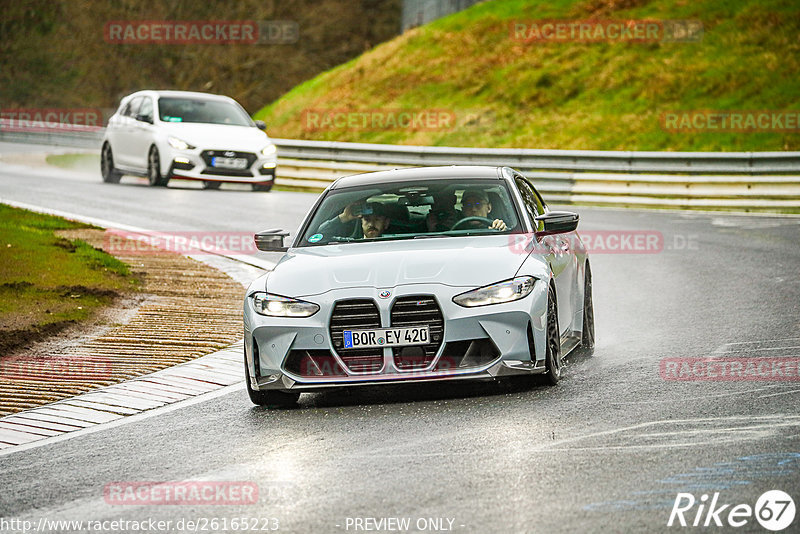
(410, 210)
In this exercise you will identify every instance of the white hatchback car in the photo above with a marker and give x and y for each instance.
(195, 136)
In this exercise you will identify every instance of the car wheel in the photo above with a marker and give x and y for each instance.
(587, 335)
(269, 399)
(110, 175)
(211, 184)
(154, 169)
(264, 188)
(553, 362)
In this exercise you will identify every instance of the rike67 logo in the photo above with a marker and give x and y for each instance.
(774, 510)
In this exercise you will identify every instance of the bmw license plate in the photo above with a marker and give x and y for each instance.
(229, 163)
(386, 337)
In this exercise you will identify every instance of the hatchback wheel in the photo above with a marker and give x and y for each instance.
(110, 174)
(154, 175)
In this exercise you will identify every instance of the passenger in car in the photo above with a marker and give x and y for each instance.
(443, 213)
(373, 216)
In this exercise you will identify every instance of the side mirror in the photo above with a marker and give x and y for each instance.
(271, 240)
(261, 125)
(144, 118)
(557, 222)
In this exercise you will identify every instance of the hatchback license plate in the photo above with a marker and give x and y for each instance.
(386, 337)
(229, 163)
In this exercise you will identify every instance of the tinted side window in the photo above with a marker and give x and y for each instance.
(146, 110)
(540, 207)
(133, 107)
(528, 198)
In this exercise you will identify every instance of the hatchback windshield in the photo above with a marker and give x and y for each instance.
(412, 210)
(198, 110)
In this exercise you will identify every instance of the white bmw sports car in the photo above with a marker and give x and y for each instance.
(425, 274)
(180, 134)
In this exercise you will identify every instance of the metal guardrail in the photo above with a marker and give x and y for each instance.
(533, 159)
(742, 181)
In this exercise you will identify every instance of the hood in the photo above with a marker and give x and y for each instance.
(220, 136)
(460, 261)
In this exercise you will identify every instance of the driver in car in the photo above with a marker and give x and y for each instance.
(475, 203)
(373, 217)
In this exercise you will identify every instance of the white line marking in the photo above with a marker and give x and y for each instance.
(764, 341)
(126, 420)
(781, 393)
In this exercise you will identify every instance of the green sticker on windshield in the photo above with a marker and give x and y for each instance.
(314, 238)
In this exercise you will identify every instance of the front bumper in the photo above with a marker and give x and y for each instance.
(196, 164)
(477, 343)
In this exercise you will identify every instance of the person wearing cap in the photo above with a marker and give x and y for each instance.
(443, 213)
(475, 203)
(373, 216)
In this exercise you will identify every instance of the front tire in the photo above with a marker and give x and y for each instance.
(553, 361)
(154, 175)
(587, 333)
(269, 399)
(110, 174)
(263, 188)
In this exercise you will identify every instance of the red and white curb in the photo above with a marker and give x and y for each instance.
(106, 405)
(172, 388)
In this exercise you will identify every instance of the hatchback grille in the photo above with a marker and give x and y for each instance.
(209, 155)
(356, 315)
(418, 310)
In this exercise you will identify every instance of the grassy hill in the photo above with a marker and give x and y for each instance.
(504, 92)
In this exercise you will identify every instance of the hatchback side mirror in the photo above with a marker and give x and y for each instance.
(144, 118)
(261, 125)
(557, 222)
(271, 240)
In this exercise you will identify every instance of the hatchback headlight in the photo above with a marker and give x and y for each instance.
(269, 150)
(505, 291)
(275, 306)
(178, 144)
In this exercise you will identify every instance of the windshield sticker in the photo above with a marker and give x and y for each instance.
(314, 238)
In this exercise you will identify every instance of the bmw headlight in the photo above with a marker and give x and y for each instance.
(269, 150)
(178, 144)
(275, 306)
(505, 291)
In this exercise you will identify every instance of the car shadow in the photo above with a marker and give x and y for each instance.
(411, 393)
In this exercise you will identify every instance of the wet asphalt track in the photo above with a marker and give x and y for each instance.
(607, 450)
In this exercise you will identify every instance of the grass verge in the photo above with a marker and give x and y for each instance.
(48, 282)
